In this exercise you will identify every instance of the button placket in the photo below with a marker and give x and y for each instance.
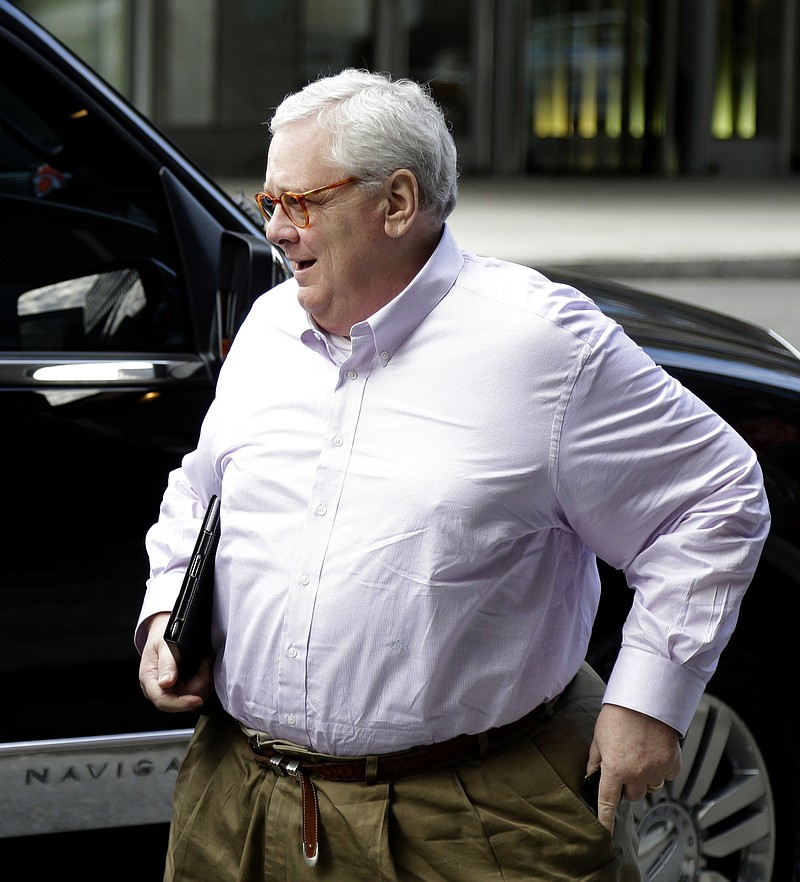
(320, 520)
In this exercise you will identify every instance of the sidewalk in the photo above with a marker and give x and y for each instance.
(636, 226)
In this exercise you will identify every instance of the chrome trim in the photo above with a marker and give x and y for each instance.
(69, 784)
(39, 371)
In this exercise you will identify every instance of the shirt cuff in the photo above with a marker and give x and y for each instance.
(654, 686)
(156, 600)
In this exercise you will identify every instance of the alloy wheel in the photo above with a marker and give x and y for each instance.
(715, 821)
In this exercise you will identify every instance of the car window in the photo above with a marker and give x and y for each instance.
(89, 264)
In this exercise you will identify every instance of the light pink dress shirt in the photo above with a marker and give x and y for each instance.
(409, 537)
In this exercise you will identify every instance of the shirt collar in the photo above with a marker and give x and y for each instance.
(395, 321)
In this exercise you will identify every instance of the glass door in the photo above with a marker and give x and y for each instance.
(585, 68)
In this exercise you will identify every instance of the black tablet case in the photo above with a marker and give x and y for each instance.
(188, 632)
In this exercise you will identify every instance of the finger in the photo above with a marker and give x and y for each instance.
(167, 668)
(148, 676)
(201, 683)
(608, 798)
(172, 703)
(177, 698)
(606, 812)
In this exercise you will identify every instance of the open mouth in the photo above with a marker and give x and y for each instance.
(300, 265)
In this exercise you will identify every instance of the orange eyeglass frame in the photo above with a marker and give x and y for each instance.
(299, 201)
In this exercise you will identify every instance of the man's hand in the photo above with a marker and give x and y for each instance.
(635, 753)
(158, 674)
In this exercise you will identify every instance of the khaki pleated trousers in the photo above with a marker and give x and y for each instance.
(514, 815)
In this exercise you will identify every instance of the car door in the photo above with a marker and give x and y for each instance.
(124, 274)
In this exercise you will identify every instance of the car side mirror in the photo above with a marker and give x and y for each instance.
(247, 268)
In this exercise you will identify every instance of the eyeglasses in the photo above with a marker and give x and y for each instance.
(294, 204)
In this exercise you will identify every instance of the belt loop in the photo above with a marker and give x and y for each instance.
(483, 743)
(371, 770)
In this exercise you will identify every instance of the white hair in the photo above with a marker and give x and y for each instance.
(379, 125)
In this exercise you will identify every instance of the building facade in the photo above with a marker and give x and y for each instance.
(666, 87)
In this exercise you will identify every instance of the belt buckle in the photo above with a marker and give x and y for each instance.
(284, 767)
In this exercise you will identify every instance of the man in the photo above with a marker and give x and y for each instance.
(419, 453)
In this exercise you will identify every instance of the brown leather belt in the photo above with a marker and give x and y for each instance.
(300, 764)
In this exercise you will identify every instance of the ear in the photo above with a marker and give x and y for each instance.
(402, 202)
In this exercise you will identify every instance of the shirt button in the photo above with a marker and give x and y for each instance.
(291, 719)
(322, 509)
(352, 374)
(305, 579)
(337, 441)
(384, 356)
(291, 652)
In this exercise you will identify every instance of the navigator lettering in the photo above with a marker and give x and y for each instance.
(90, 771)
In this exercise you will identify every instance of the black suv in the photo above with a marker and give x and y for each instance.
(125, 273)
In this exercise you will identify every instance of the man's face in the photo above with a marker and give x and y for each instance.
(333, 258)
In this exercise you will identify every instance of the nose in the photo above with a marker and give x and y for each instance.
(279, 227)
